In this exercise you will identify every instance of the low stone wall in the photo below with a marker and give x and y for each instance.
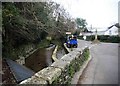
(61, 71)
(68, 49)
(54, 56)
(28, 52)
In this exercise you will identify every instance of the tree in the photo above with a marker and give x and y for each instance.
(31, 22)
(81, 23)
(63, 21)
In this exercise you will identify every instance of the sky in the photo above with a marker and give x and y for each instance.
(98, 13)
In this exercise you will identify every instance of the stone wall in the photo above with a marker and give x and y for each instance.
(27, 51)
(61, 71)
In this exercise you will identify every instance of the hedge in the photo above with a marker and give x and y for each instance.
(103, 38)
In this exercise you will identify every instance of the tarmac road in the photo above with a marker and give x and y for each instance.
(82, 43)
(103, 68)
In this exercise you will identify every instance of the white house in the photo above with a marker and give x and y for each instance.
(112, 31)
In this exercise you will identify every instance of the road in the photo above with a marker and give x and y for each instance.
(103, 68)
(82, 43)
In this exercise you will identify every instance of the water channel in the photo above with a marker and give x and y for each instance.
(39, 59)
(42, 58)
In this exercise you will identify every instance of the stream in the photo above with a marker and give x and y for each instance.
(40, 59)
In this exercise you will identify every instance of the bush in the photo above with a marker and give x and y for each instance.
(102, 38)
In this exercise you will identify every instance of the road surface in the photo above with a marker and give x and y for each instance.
(103, 68)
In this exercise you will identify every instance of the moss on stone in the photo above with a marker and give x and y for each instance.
(70, 70)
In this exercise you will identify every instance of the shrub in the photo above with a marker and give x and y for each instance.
(102, 38)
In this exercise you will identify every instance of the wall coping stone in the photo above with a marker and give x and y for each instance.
(49, 74)
(34, 80)
(60, 64)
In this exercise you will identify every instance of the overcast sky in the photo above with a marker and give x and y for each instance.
(99, 13)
